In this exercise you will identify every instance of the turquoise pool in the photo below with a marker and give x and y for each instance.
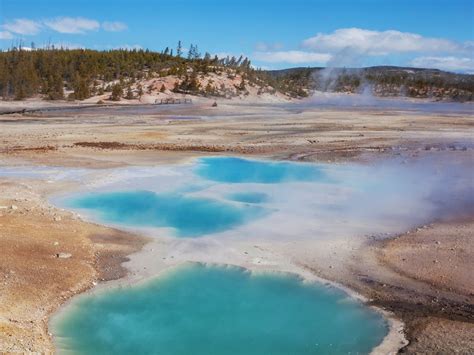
(188, 216)
(237, 170)
(248, 197)
(197, 309)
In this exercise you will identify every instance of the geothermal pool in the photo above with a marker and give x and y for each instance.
(236, 198)
(188, 216)
(198, 309)
(237, 170)
(195, 207)
(213, 210)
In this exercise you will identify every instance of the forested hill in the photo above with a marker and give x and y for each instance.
(129, 74)
(143, 75)
(382, 81)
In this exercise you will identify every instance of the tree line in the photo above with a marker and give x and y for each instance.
(85, 72)
(383, 80)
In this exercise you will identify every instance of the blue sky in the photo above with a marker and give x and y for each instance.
(273, 34)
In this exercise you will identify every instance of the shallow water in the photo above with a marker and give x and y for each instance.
(188, 216)
(187, 207)
(199, 309)
(240, 198)
(248, 197)
(43, 172)
(237, 170)
(361, 102)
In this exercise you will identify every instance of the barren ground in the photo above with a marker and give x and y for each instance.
(424, 276)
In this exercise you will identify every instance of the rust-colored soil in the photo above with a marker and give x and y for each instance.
(47, 256)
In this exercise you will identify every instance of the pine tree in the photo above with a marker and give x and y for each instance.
(190, 83)
(139, 91)
(197, 54)
(209, 89)
(4, 79)
(129, 95)
(25, 81)
(242, 85)
(116, 92)
(179, 50)
(81, 88)
(176, 86)
(245, 64)
(54, 87)
(191, 52)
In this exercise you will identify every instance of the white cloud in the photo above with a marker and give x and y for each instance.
(381, 42)
(69, 25)
(5, 35)
(267, 47)
(293, 57)
(114, 26)
(72, 24)
(462, 64)
(23, 26)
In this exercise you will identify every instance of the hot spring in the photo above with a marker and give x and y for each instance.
(206, 210)
(186, 215)
(228, 197)
(200, 309)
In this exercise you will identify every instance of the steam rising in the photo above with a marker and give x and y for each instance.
(340, 201)
(351, 200)
(350, 60)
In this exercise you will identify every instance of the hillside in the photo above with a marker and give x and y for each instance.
(149, 77)
(382, 81)
(118, 75)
